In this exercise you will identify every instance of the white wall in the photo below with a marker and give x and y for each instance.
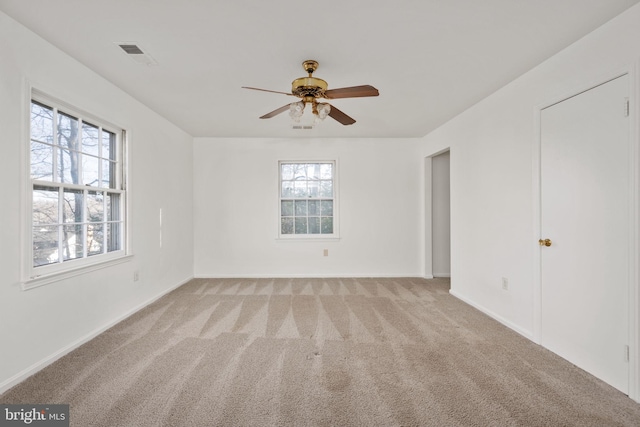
(236, 209)
(492, 176)
(441, 215)
(38, 324)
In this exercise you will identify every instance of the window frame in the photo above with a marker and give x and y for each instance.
(34, 276)
(335, 198)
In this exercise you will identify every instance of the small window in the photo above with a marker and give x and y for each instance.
(307, 199)
(77, 189)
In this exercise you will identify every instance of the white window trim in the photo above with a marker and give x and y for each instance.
(79, 268)
(336, 205)
(33, 277)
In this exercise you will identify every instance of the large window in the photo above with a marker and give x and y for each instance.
(77, 187)
(307, 199)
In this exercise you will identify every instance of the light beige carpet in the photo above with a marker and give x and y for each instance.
(320, 352)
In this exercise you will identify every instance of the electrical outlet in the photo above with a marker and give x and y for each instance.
(505, 283)
(136, 276)
(326, 252)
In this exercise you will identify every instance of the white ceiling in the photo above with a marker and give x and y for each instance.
(430, 59)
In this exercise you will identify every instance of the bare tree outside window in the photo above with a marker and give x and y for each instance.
(76, 208)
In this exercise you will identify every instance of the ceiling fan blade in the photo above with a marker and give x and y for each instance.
(276, 112)
(338, 115)
(267, 90)
(351, 92)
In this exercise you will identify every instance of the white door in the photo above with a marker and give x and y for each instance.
(585, 205)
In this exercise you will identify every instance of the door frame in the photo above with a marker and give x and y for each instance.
(634, 220)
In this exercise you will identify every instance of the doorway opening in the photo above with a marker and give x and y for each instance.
(438, 215)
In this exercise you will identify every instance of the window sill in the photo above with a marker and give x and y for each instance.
(308, 238)
(45, 279)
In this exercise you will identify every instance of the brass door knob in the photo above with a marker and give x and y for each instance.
(545, 242)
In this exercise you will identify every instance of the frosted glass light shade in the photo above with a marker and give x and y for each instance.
(296, 109)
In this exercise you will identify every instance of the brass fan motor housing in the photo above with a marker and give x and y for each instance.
(305, 87)
(308, 86)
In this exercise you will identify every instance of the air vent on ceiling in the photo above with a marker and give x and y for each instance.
(306, 127)
(131, 49)
(134, 51)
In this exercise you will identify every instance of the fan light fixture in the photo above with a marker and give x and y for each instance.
(320, 111)
(309, 89)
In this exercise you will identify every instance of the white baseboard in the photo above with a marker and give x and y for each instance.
(525, 333)
(445, 275)
(26, 373)
(302, 276)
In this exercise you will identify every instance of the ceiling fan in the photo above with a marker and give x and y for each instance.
(310, 89)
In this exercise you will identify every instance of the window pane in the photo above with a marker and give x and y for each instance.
(326, 207)
(286, 171)
(95, 206)
(72, 206)
(286, 225)
(68, 163)
(313, 171)
(113, 207)
(108, 174)
(68, 167)
(90, 170)
(72, 242)
(326, 171)
(45, 245)
(301, 225)
(41, 123)
(286, 208)
(41, 161)
(314, 225)
(95, 239)
(114, 241)
(301, 208)
(45, 205)
(108, 145)
(314, 189)
(326, 189)
(299, 171)
(314, 207)
(68, 132)
(300, 189)
(287, 189)
(90, 139)
(327, 225)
